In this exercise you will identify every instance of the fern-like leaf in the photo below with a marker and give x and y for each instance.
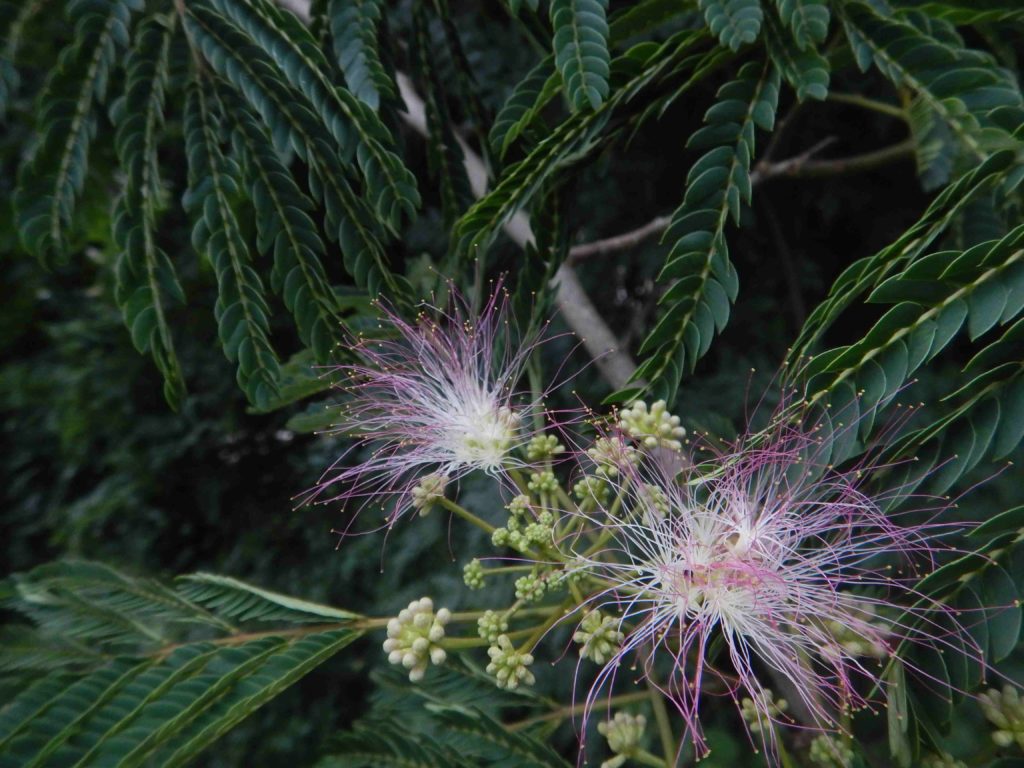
(390, 186)
(581, 50)
(733, 22)
(571, 139)
(865, 274)
(13, 20)
(962, 86)
(286, 231)
(146, 280)
(933, 298)
(150, 692)
(236, 600)
(241, 309)
(522, 109)
(294, 125)
(704, 281)
(806, 70)
(52, 179)
(354, 25)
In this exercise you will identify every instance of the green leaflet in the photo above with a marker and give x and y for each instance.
(243, 318)
(806, 70)
(521, 111)
(51, 180)
(354, 25)
(146, 280)
(734, 22)
(581, 50)
(704, 282)
(807, 20)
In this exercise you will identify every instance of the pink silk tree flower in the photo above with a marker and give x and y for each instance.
(753, 570)
(436, 400)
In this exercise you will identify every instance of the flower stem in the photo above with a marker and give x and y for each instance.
(465, 514)
(668, 741)
(644, 757)
(578, 709)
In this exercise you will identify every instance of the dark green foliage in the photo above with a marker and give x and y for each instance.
(152, 690)
(704, 282)
(147, 283)
(581, 50)
(354, 30)
(242, 312)
(733, 22)
(53, 177)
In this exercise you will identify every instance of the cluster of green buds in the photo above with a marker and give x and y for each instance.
(611, 453)
(592, 492)
(531, 588)
(654, 427)
(829, 752)
(655, 502)
(543, 482)
(523, 530)
(543, 447)
(1005, 711)
(413, 637)
(473, 574)
(623, 732)
(427, 491)
(598, 636)
(760, 717)
(509, 666)
(855, 643)
(491, 625)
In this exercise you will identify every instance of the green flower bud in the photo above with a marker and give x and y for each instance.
(543, 482)
(543, 447)
(427, 491)
(508, 665)
(473, 574)
(592, 491)
(1005, 710)
(760, 715)
(413, 637)
(520, 505)
(491, 625)
(624, 733)
(611, 454)
(652, 427)
(829, 752)
(599, 637)
(942, 761)
(530, 588)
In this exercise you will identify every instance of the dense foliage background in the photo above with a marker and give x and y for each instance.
(127, 122)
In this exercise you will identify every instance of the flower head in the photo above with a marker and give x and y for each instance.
(437, 397)
(767, 552)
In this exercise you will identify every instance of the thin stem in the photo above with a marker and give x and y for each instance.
(873, 104)
(464, 643)
(465, 514)
(668, 741)
(556, 615)
(578, 709)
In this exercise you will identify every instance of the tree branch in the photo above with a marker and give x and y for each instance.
(799, 167)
